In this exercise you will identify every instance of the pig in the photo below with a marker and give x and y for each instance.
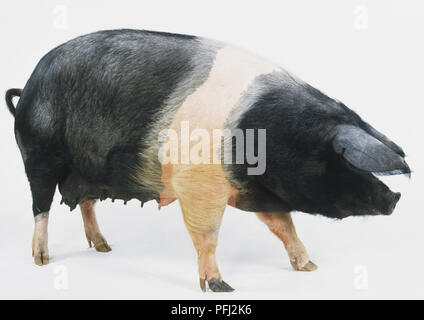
(98, 115)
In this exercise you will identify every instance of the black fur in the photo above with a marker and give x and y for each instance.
(303, 170)
(86, 108)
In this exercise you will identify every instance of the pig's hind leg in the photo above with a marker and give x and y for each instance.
(43, 174)
(40, 250)
(203, 197)
(281, 224)
(91, 227)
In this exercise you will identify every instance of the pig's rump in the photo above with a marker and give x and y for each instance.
(93, 108)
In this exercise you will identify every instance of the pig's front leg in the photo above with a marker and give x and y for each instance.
(281, 224)
(92, 230)
(40, 250)
(203, 194)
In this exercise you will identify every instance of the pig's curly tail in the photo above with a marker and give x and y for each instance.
(9, 99)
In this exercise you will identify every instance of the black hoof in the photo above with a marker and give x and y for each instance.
(219, 286)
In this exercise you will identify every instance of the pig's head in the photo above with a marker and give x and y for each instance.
(358, 157)
(323, 158)
(333, 162)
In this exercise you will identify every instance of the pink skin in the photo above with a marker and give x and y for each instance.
(40, 250)
(92, 230)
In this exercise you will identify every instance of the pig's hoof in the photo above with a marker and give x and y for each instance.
(103, 247)
(100, 243)
(41, 257)
(216, 285)
(309, 266)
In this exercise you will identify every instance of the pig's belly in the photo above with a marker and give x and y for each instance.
(76, 188)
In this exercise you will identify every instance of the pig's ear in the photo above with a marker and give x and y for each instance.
(365, 152)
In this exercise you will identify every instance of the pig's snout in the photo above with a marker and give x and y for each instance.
(393, 200)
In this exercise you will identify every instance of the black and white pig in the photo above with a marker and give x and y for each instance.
(126, 114)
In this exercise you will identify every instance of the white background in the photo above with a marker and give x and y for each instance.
(368, 54)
